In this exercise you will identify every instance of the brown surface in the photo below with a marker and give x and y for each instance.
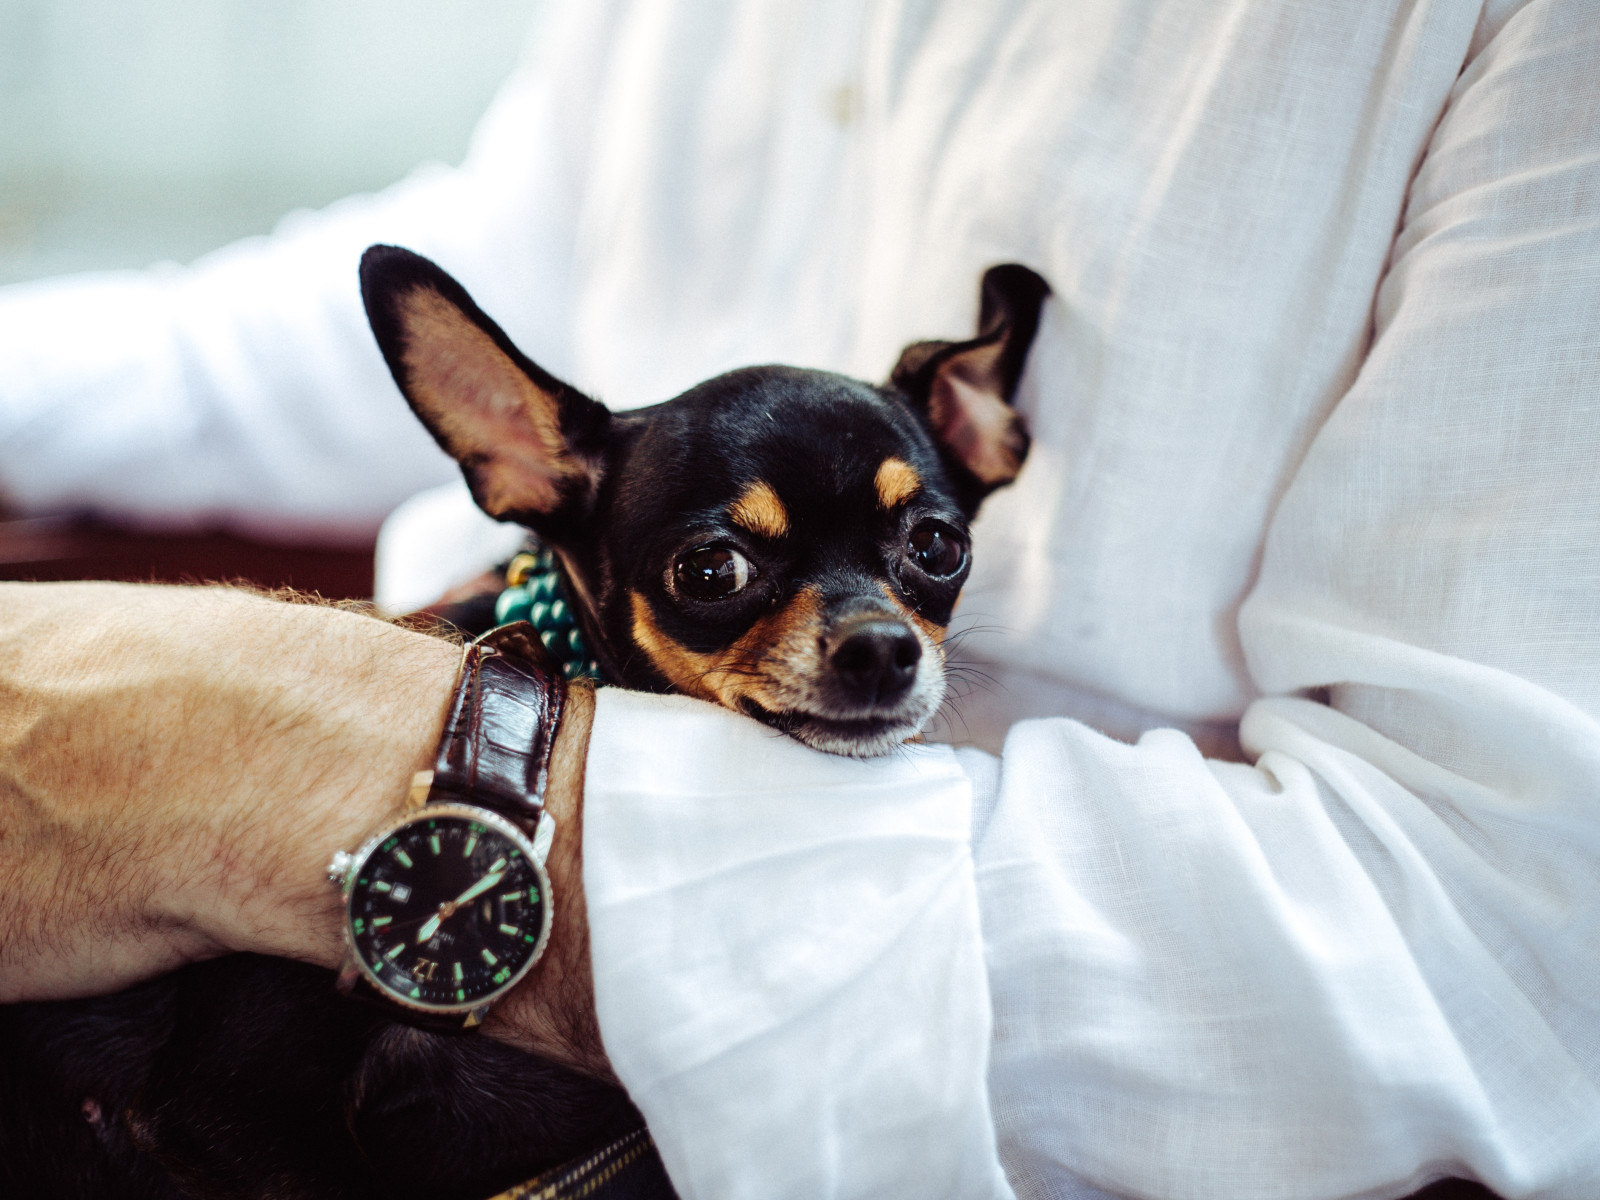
(50, 548)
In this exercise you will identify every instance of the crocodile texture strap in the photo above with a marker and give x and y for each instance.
(496, 747)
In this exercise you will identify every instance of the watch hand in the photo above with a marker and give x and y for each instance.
(431, 925)
(497, 872)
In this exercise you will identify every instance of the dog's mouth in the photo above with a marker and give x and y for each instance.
(857, 737)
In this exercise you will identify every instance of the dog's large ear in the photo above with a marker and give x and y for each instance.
(965, 388)
(529, 445)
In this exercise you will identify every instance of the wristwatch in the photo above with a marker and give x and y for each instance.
(448, 906)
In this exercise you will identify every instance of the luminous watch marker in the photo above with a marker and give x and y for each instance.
(455, 969)
(460, 995)
(394, 953)
(472, 841)
(510, 896)
(416, 993)
(488, 957)
(380, 886)
(433, 842)
(402, 857)
(380, 922)
(511, 929)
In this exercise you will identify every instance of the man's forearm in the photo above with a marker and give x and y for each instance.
(175, 761)
(178, 764)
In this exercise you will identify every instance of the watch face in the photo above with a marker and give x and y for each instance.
(449, 910)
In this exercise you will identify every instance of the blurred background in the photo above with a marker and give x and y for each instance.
(134, 133)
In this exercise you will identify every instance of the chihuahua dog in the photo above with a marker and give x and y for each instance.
(787, 543)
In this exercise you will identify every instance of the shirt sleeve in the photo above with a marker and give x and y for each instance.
(788, 962)
(246, 388)
(1364, 961)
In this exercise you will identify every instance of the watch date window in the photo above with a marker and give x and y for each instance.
(401, 893)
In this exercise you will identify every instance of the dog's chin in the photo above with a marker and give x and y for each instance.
(853, 737)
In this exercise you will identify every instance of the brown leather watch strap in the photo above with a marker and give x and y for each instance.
(496, 747)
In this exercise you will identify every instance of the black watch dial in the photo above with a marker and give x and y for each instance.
(448, 911)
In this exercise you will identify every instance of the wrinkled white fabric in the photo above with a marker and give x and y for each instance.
(1316, 411)
(434, 540)
(872, 876)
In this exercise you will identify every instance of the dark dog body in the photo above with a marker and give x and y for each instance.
(787, 543)
(253, 1077)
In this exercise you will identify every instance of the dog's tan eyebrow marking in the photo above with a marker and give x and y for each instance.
(897, 481)
(760, 511)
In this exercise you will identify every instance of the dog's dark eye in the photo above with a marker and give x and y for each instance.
(713, 572)
(937, 549)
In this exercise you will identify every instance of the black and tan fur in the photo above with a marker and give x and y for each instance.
(252, 1078)
(818, 481)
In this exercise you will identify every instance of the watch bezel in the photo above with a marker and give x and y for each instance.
(430, 812)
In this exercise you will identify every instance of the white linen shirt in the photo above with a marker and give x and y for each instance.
(1316, 411)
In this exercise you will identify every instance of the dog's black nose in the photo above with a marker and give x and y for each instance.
(876, 660)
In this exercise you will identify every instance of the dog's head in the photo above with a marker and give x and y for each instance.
(788, 543)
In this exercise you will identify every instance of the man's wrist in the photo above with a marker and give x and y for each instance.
(552, 1012)
(363, 702)
(177, 765)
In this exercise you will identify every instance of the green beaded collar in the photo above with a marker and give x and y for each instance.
(534, 593)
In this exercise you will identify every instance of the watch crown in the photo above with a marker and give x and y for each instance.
(339, 868)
